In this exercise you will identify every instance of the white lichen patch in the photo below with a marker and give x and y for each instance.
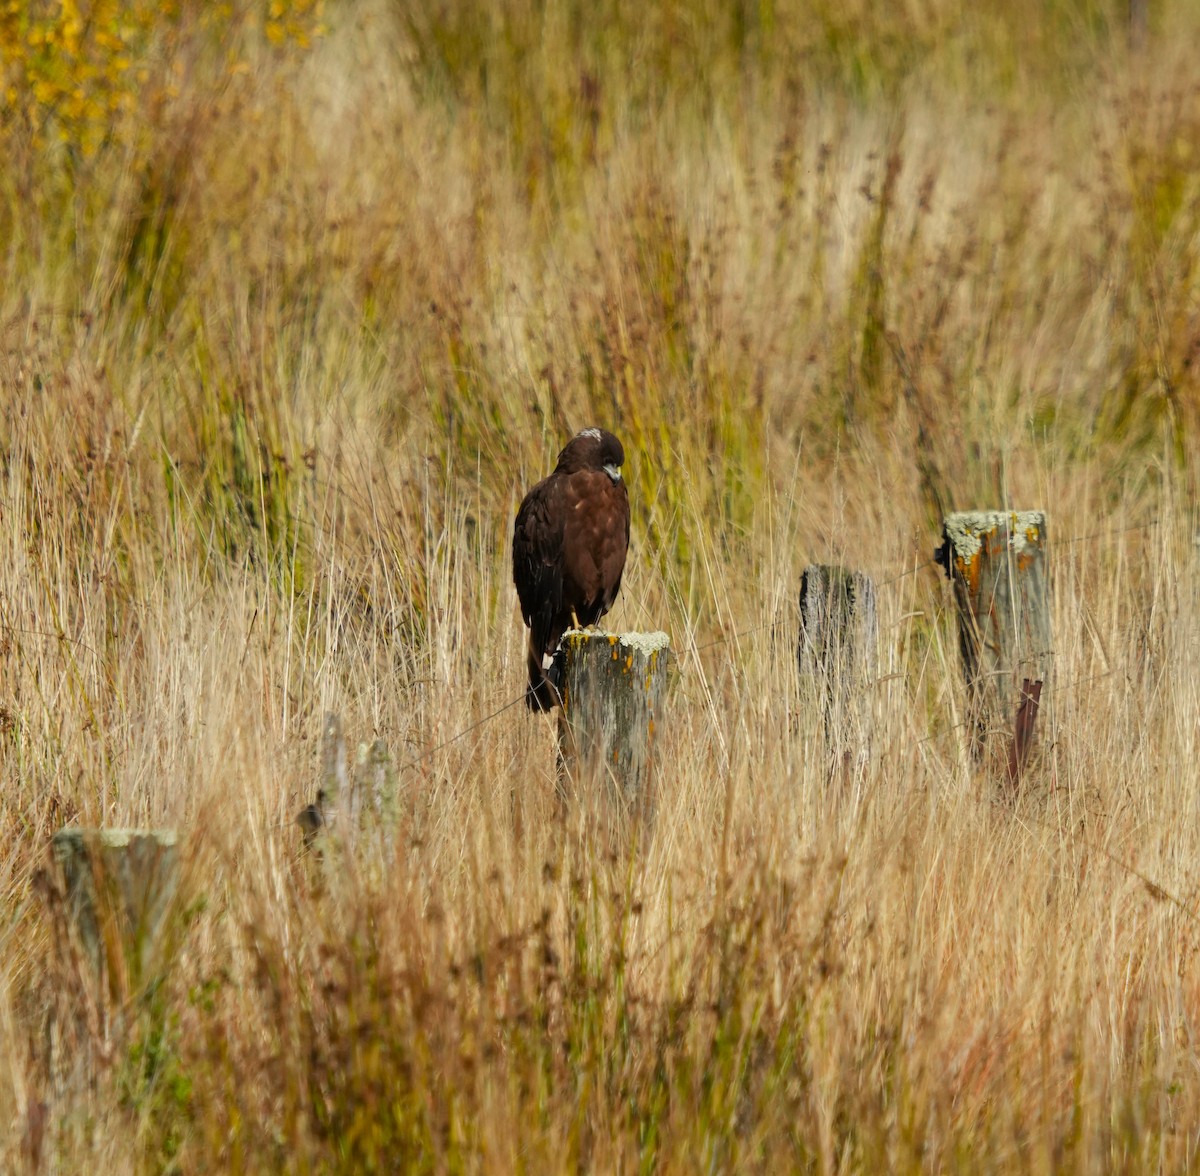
(646, 643)
(964, 529)
(114, 838)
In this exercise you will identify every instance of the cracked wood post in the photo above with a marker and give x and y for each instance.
(613, 689)
(996, 561)
(118, 885)
(839, 638)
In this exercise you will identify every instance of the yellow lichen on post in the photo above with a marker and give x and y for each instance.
(613, 687)
(968, 568)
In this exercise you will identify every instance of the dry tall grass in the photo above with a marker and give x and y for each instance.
(278, 357)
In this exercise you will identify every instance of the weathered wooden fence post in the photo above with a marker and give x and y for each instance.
(118, 885)
(613, 688)
(996, 561)
(347, 800)
(838, 656)
(1139, 24)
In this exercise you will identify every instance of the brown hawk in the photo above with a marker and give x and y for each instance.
(569, 546)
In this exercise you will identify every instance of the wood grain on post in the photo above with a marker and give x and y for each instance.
(613, 688)
(839, 637)
(119, 885)
(996, 561)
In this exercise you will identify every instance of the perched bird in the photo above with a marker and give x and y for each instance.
(569, 545)
(311, 817)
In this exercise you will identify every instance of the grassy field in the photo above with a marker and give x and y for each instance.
(296, 302)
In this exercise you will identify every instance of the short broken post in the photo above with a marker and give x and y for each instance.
(348, 802)
(838, 656)
(613, 690)
(996, 561)
(119, 885)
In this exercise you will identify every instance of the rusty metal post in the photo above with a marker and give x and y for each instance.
(1022, 739)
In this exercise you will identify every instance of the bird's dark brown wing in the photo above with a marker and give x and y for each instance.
(537, 558)
(595, 542)
(615, 568)
(613, 543)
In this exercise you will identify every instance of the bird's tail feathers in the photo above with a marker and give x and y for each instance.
(542, 693)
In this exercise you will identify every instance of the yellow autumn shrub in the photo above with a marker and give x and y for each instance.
(86, 73)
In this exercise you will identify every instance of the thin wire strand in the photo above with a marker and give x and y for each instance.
(412, 763)
(1051, 541)
(1155, 889)
(432, 751)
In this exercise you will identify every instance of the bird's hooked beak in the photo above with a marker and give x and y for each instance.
(613, 472)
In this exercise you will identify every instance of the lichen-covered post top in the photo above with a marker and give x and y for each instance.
(627, 652)
(965, 528)
(972, 532)
(72, 838)
(644, 643)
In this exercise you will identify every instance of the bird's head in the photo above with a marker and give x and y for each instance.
(593, 449)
